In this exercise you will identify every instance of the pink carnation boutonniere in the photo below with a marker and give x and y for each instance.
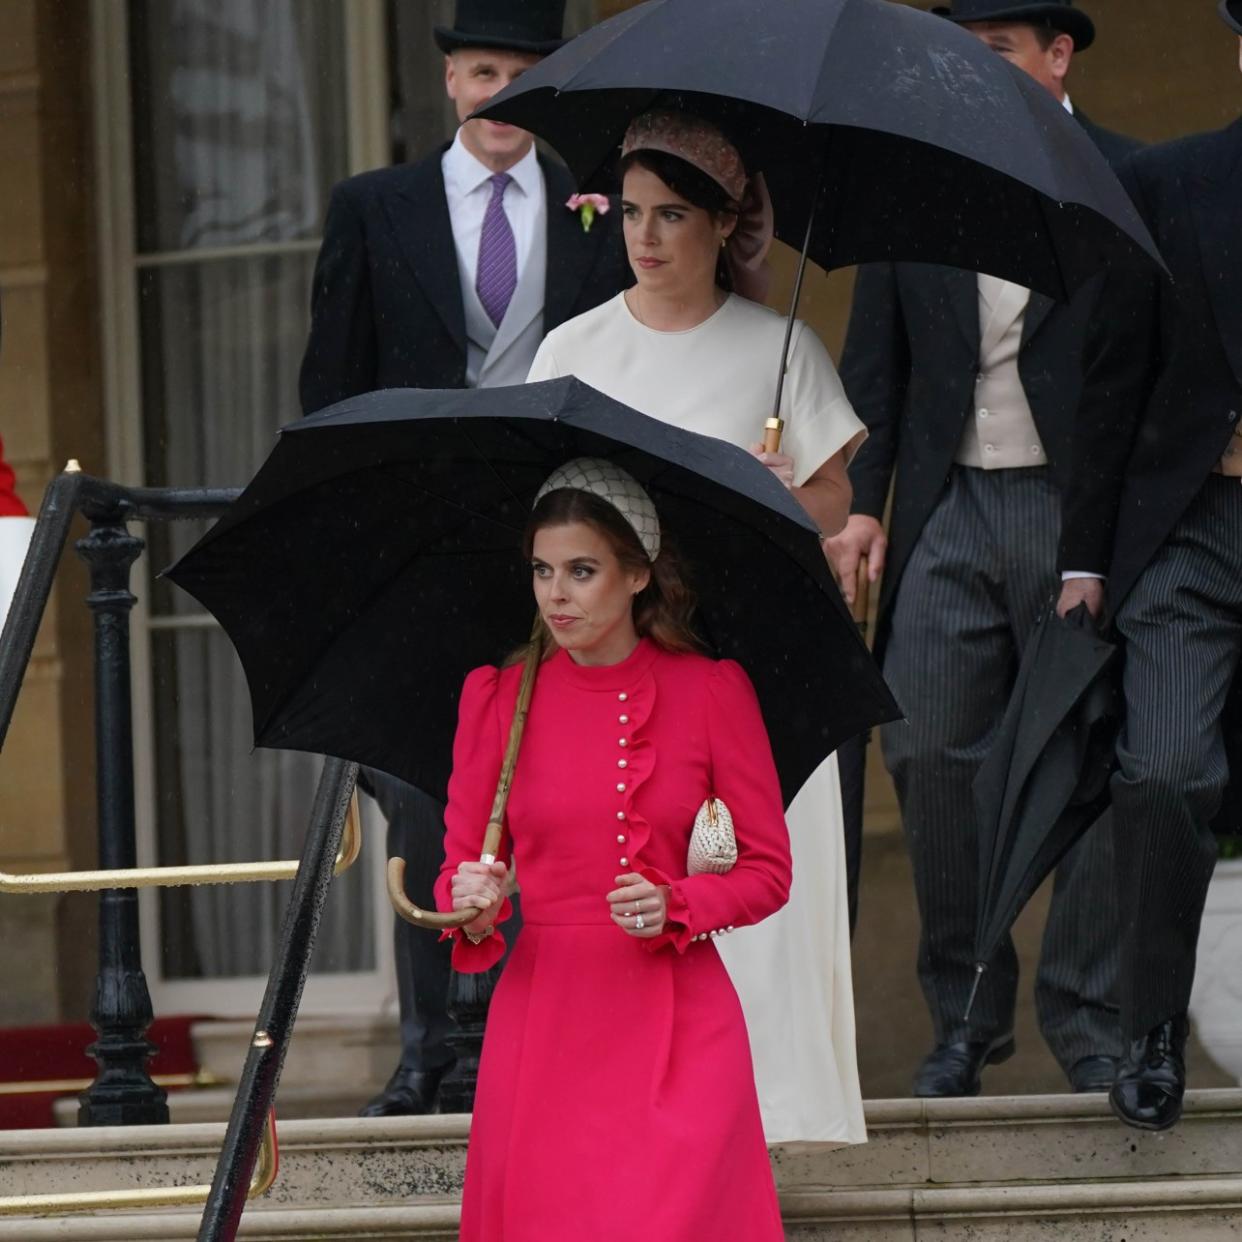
(588, 206)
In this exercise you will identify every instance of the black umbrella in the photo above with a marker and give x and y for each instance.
(883, 132)
(374, 560)
(1045, 780)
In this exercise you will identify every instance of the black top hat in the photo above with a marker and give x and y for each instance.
(511, 25)
(1231, 14)
(1059, 14)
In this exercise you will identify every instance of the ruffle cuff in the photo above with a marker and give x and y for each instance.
(676, 918)
(473, 959)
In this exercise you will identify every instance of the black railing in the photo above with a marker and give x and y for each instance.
(123, 1093)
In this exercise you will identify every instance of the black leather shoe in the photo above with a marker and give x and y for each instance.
(955, 1069)
(1093, 1074)
(1149, 1089)
(409, 1093)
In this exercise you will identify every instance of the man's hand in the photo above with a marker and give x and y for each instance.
(1075, 591)
(862, 536)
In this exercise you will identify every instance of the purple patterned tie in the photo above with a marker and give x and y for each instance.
(497, 275)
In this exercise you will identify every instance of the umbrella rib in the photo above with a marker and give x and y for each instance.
(487, 462)
(298, 679)
(450, 503)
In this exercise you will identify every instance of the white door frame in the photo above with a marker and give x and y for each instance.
(367, 100)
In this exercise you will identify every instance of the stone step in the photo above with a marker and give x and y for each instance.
(1010, 1169)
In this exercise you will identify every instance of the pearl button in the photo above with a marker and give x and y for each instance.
(622, 742)
(625, 862)
(621, 763)
(983, 413)
(620, 814)
(620, 838)
(623, 720)
(622, 697)
(621, 787)
(1035, 450)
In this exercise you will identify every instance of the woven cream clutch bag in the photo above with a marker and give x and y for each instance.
(713, 847)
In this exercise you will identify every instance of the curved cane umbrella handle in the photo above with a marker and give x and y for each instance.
(495, 824)
(416, 914)
(395, 875)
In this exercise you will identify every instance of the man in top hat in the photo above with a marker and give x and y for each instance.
(970, 387)
(447, 273)
(1176, 585)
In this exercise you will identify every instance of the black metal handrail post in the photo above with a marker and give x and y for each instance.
(122, 1093)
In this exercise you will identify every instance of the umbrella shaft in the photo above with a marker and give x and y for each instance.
(793, 314)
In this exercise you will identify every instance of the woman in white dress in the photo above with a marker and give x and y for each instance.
(692, 344)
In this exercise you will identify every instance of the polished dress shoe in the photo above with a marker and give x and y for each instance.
(1149, 1088)
(409, 1093)
(955, 1069)
(1093, 1074)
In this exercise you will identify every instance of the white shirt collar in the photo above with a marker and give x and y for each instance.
(466, 174)
(1068, 105)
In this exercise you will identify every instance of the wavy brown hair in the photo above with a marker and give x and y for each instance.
(664, 608)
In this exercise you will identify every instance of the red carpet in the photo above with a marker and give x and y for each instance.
(36, 1054)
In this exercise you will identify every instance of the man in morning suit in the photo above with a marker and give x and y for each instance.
(447, 273)
(1176, 584)
(970, 387)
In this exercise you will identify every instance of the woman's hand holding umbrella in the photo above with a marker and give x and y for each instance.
(780, 464)
(479, 886)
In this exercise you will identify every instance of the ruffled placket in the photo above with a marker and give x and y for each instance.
(631, 688)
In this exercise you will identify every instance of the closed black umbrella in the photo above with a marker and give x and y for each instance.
(886, 132)
(1045, 780)
(374, 560)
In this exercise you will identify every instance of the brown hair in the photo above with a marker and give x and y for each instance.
(664, 607)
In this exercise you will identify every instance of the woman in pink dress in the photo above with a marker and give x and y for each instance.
(616, 1097)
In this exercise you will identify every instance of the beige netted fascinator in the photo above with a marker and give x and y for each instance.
(616, 487)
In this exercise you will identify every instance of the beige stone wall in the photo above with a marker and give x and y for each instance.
(50, 410)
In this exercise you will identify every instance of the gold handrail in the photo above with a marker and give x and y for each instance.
(201, 1078)
(265, 1170)
(172, 877)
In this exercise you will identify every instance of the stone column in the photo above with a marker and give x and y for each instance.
(50, 410)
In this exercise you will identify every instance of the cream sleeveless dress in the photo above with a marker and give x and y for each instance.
(792, 971)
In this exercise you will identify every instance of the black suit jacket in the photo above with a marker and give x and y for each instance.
(1180, 360)
(386, 306)
(910, 364)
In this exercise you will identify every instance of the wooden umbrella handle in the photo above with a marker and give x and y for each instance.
(772, 431)
(494, 834)
(862, 594)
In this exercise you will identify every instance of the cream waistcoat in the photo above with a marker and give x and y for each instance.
(1001, 435)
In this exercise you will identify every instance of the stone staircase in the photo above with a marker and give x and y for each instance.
(998, 1169)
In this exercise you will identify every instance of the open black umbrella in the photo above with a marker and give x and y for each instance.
(883, 132)
(374, 560)
(1045, 780)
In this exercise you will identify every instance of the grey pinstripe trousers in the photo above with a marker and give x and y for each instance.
(1182, 625)
(983, 570)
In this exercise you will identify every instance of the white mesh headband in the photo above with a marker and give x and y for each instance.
(615, 486)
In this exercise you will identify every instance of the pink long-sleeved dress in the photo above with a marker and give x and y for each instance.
(616, 1096)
